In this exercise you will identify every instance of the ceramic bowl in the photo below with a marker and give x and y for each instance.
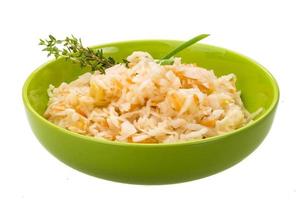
(155, 163)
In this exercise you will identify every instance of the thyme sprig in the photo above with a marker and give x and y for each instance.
(72, 49)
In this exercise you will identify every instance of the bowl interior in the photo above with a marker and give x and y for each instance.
(258, 87)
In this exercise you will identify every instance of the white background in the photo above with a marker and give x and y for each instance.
(263, 30)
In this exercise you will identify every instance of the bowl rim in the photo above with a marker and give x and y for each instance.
(266, 113)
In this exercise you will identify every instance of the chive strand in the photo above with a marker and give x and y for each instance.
(184, 45)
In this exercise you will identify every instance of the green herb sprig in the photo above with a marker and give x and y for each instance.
(72, 49)
(168, 59)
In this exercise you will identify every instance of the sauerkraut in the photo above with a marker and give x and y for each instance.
(145, 102)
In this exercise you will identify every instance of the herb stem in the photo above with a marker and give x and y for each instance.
(72, 49)
(184, 45)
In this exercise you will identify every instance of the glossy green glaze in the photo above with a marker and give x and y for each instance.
(155, 163)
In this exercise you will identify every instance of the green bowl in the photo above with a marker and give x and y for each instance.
(155, 163)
